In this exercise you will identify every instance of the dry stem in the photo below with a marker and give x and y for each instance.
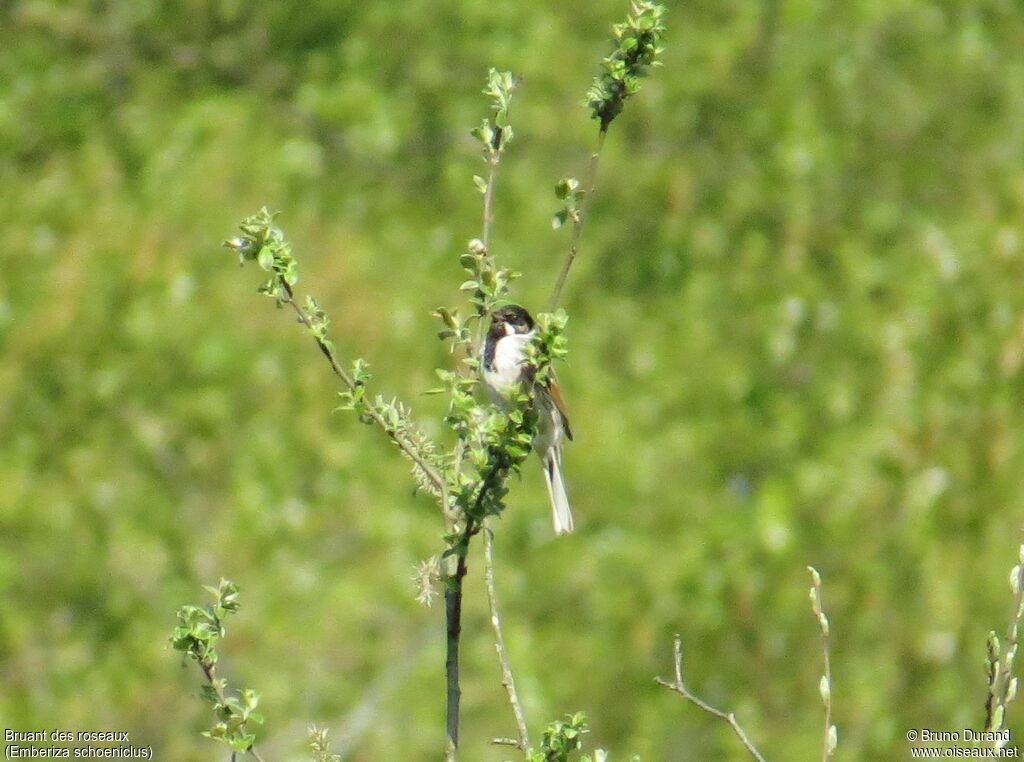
(499, 643)
(829, 739)
(680, 687)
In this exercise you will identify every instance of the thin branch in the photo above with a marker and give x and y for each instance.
(679, 687)
(830, 738)
(485, 236)
(578, 220)
(493, 159)
(827, 744)
(499, 642)
(435, 478)
(210, 672)
(492, 169)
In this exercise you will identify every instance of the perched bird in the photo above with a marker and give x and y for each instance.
(505, 373)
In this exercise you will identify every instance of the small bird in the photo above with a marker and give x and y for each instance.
(504, 374)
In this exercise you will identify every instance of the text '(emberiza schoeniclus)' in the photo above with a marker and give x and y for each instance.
(505, 372)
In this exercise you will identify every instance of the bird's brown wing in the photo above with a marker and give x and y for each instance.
(556, 396)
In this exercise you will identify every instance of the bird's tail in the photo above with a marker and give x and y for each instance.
(560, 512)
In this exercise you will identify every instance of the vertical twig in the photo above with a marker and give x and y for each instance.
(492, 169)
(453, 588)
(831, 736)
(577, 223)
(493, 158)
(499, 642)
(1002, 685)
(485, 237)
(679, 687)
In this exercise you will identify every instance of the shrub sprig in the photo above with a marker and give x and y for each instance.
(199, 630)
(636, 44)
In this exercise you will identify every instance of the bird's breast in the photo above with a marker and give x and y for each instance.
(506, 370)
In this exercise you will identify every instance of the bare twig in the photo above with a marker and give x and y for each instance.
(831, 737)
(492, 169)
(679, 687)
(493, 153)
(578, 220)
(485, 236)
(499, 642)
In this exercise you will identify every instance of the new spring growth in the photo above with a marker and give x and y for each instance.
(568, 191)
(560, 739)
(490, 283)
(320, 745)
(494, 137)
(1002, 684)
(548, 345)
(486, 285)
(636, 49)
(426, 579)
(199, 630)
(831, 735)
(264, 243)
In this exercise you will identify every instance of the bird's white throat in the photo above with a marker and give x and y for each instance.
(509, 357)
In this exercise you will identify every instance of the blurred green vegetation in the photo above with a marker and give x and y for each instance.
(797, 337)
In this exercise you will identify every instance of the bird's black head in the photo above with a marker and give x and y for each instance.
(512, 316)
(505, 321)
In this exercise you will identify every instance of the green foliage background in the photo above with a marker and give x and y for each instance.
(797, 337)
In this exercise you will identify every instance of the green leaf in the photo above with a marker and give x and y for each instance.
(265, 258)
